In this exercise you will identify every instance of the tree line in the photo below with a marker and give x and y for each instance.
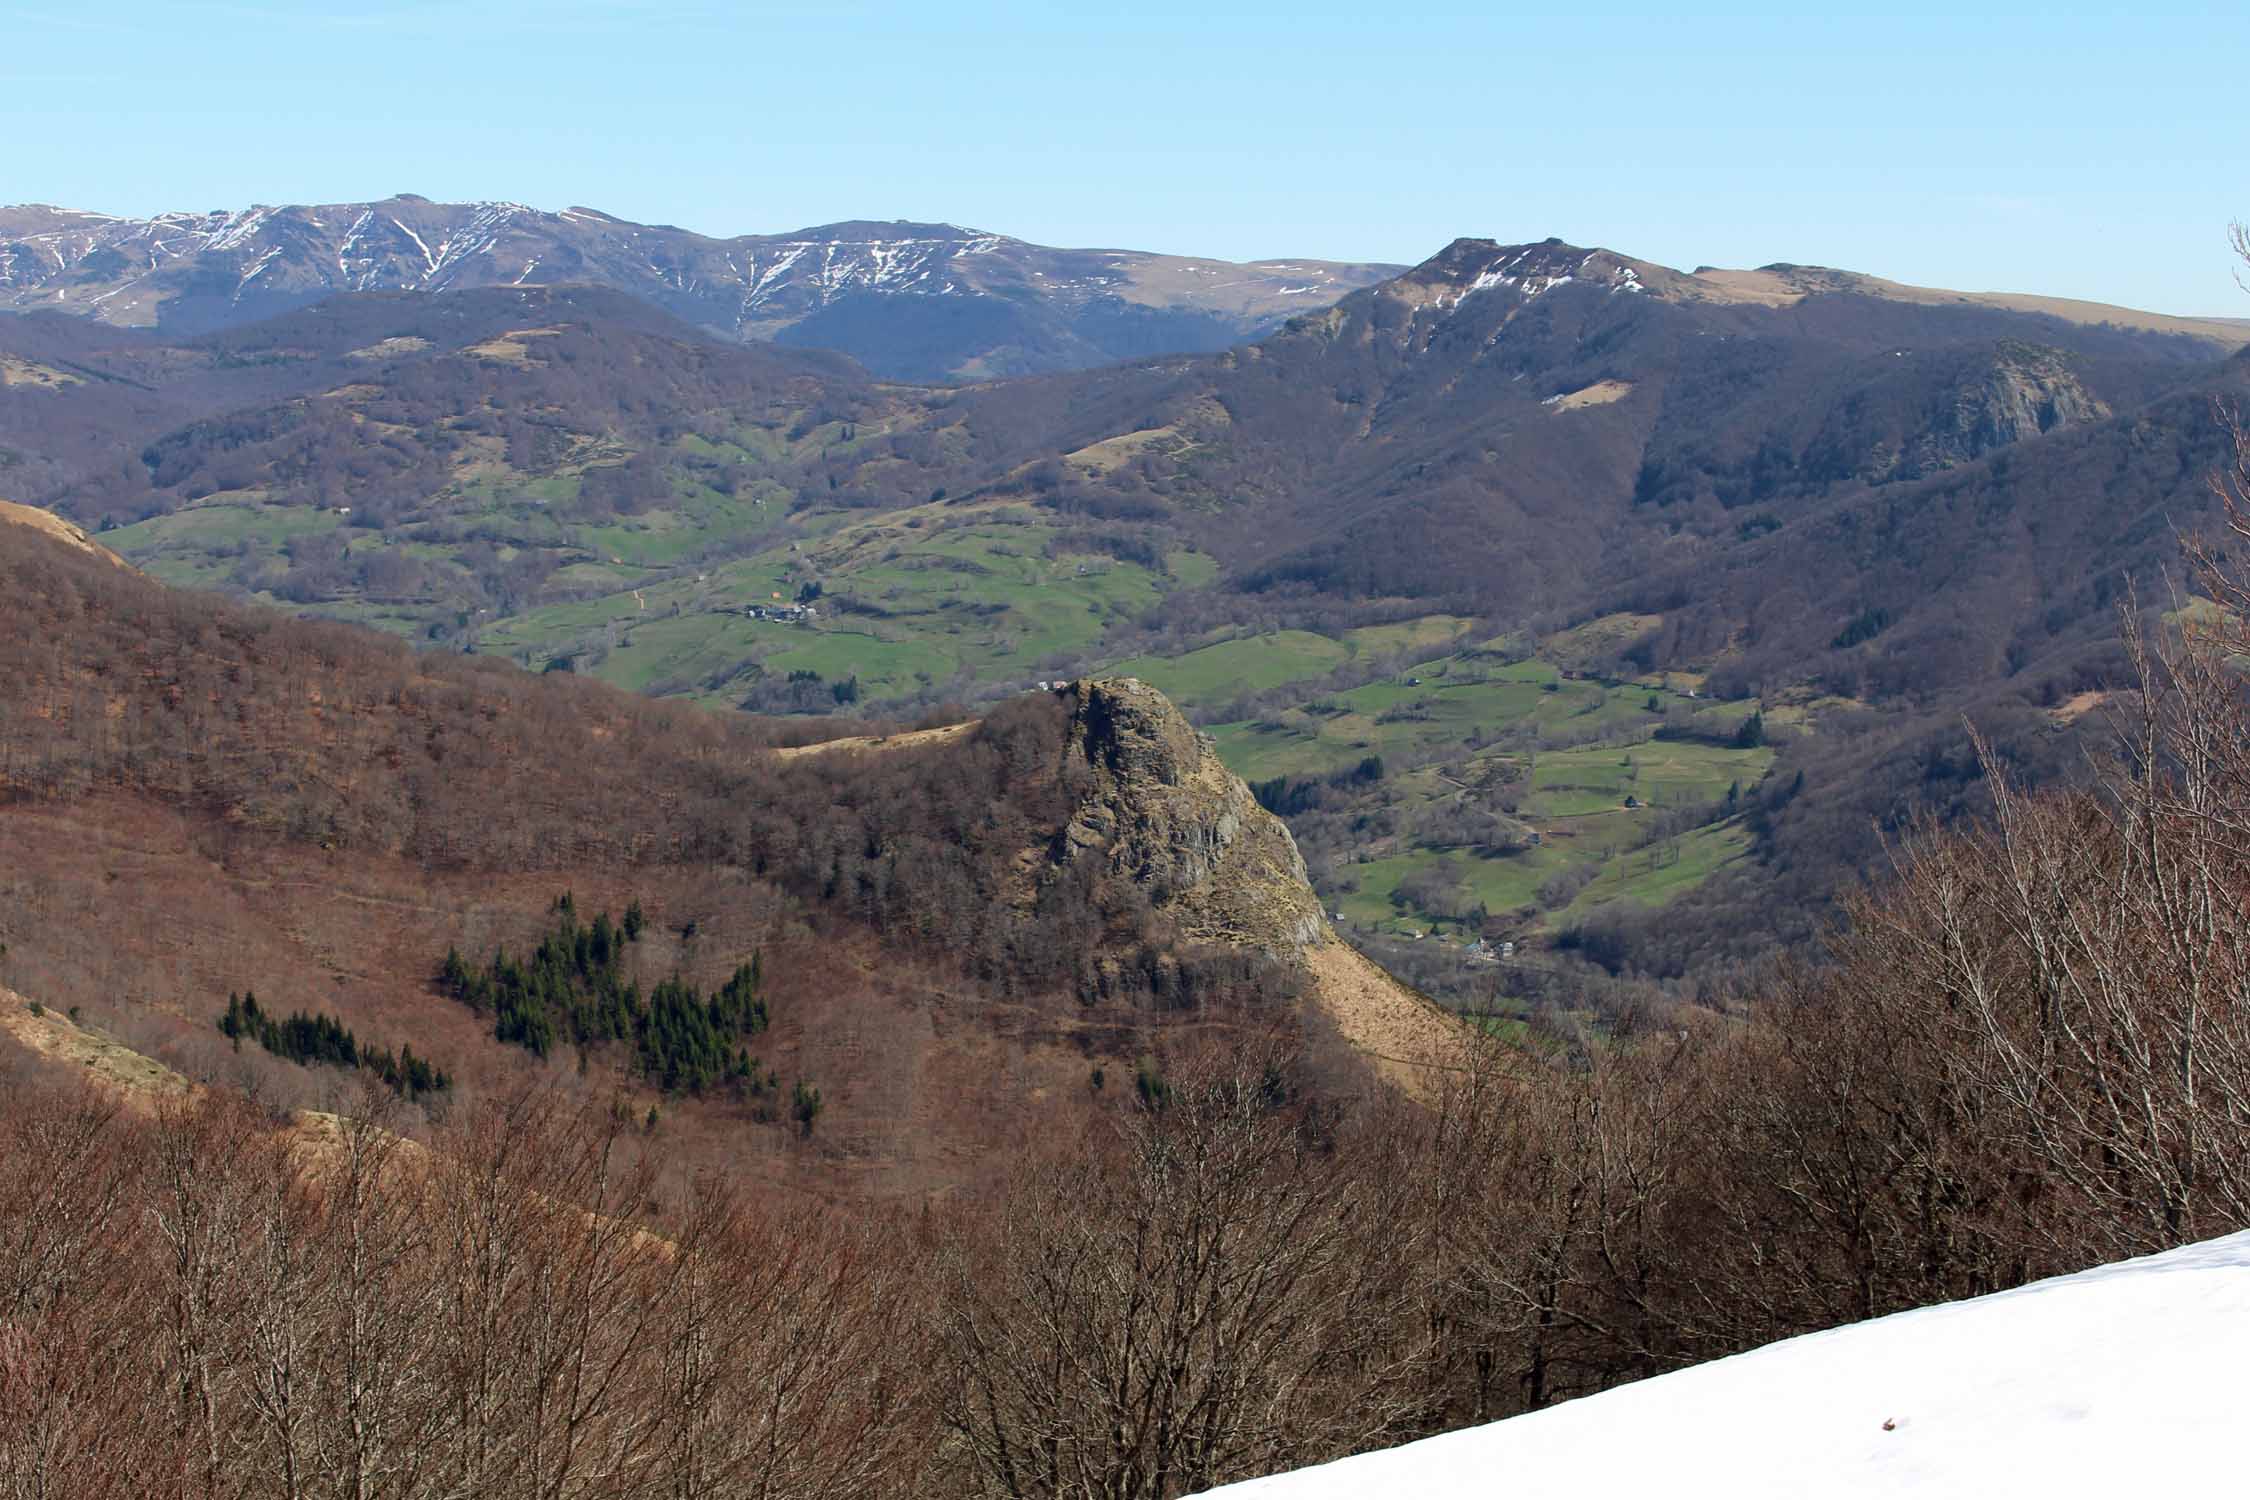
(309, 1038)
(573, 987)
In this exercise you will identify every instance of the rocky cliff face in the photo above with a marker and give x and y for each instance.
(2026, 392)
(1161, 811)
(1164, 814)
(1907, 414)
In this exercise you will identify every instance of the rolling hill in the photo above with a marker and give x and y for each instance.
(943, 936)
(366, 1011)
(909, 301)
(1531, 531)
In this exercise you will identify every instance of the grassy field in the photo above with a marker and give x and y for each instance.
(1500, 883)
(1458, 732)
(1440, 706)
(910, 600)
(1600, 842)
(1252, 664)
(1657, 773)
(1653, 876)
(1212, 675)
(221, 522)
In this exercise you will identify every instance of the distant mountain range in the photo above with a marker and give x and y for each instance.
(909, 301)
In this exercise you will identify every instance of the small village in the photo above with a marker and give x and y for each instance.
(783, 614)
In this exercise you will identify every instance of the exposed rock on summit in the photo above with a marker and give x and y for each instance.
(1165, 814)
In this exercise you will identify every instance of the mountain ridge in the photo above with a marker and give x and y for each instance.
(1780, 284)
(1033, 307)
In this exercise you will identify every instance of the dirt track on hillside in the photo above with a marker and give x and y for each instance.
(904, 741)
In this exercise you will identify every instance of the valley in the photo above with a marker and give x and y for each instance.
(1227, 751)
(935, 602)
(1527, 532)
(881, 1058)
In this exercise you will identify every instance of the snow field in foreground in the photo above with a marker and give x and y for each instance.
(2121, 1380)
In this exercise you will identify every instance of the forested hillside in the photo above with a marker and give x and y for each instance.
(1217, 1271)
(924, 948)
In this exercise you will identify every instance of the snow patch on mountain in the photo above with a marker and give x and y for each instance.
(238, 229)
(251, 261)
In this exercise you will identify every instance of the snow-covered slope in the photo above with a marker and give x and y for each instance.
(2122, 1380)
(902, 296)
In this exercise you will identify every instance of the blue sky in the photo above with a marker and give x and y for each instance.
(2019, 148)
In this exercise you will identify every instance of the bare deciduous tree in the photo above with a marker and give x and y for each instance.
(1210, 1295)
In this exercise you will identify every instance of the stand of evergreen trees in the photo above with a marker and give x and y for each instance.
(302, 1037)
(573, 988)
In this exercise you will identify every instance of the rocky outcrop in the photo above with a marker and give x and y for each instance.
(1162, 812)
(2026, 391)
(1937, 411)
(1156, 809)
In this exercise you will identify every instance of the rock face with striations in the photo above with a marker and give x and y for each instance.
(2027, 391)
(1163, 813)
